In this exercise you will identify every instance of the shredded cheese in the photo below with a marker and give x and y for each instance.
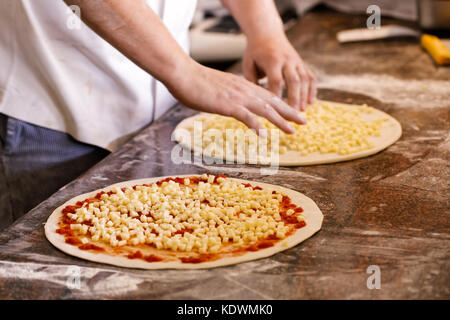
(184, 216)
(330, 129)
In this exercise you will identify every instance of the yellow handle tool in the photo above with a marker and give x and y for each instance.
(436, 48)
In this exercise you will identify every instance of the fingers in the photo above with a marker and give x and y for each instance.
(275, 80)
(244, 115)
(251, 100)
(274, 109)
(250, 71)
(304, 88)
(301, 86)
(293, 85)
(264, 109)
(286, 111)
(312, 88)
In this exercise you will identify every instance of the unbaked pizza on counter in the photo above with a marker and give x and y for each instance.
(183, 222)
(334, 132)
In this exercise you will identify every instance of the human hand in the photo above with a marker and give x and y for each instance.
(210, 90)
(275, 58)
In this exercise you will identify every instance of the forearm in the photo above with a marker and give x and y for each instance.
(135, 30)
(259, 19)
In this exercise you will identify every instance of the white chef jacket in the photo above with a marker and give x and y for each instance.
(71, 80)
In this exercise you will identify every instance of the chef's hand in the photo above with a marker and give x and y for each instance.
(269, 52)
(209, 90)
(276, 59)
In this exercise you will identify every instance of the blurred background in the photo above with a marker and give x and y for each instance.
(216, 39)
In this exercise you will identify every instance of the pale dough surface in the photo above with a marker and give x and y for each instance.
(312, 214)
(390, 133)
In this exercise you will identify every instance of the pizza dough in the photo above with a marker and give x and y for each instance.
(312, 215)
(391, 131)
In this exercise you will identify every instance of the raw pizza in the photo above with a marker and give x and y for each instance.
(334, 132)
(184, 222)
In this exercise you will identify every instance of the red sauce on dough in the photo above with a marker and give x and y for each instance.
(199, 258)
(270, 241)
(248, 185)
(153, 258)
(90, 200)
(182, 231)
(99, 195)
(90, 246)
(263, 244)
(300, 224)
(180, 180)
(136, 255)
(71, 209)
(73, 241)
(292, 219)
(219, 176)
(65, 231)
(149, 258)
(288, 219)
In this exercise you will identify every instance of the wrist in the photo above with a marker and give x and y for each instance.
(177, 70)
(266, 35)
(183, 69)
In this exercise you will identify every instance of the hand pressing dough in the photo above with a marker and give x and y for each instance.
(390, 132)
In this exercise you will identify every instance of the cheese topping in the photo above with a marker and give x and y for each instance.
(330, 129)
(190, 217)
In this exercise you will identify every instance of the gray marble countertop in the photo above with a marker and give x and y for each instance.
(390, 210)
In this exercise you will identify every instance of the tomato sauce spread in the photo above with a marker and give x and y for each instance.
(136, 255)
(182, 231)
(261, 245)
(152, 258)
(72, 240)
(65, 231)
(90, 246)
(285, 205)
(199, 258)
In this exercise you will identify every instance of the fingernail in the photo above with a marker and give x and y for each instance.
(301, 117)
(290, 128)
